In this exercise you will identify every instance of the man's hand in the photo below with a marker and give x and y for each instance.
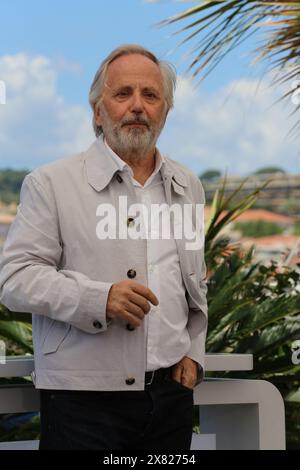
(185, 372)
(129, 301)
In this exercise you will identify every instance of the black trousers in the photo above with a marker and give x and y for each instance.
(159, 417)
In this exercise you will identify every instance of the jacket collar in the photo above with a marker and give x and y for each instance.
(101, 167)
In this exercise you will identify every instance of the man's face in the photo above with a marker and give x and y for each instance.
(133, 109)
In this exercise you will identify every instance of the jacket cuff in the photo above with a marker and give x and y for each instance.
(200, 370)
(197, 354)
(94, 303)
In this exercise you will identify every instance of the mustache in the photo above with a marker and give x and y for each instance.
(136, 120)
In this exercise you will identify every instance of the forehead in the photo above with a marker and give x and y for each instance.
(134, 69)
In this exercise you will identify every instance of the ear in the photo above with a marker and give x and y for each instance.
(97, 115)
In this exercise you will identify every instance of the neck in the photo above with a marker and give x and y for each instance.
(142, 164)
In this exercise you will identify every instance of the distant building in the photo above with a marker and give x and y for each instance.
(253, 215)
(282, 189)
(276, 248)
(280, 248)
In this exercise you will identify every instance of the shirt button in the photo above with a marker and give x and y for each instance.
(119, 178)
(130, 222)
(131, 273)
(129, 327)
(130, 381)
(97, 324)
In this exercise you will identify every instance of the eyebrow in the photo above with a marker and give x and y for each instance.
(130, 87)
(122, 87)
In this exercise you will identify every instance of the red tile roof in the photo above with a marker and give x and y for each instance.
(262, 214)
(287, 241)
(257, 214)
(6, 219)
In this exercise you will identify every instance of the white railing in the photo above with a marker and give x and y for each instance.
(234, 413)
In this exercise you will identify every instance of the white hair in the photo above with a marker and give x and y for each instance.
(167, 70)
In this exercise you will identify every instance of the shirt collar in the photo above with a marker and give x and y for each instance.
(101, 167)
(159, 161)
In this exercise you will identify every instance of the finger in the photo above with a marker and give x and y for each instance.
(176, 373)
(145, 292)
(189, 377)
(140, 301)
(133, 320)
(135, 310)
(187, 381)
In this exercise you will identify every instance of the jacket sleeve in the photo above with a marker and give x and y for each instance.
(198, 332)
(30, 278)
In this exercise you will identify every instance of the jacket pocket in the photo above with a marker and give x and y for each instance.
(56, 334)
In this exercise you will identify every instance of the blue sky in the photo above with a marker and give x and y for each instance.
(50, 50)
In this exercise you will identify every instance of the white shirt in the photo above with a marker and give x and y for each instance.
(167, 336)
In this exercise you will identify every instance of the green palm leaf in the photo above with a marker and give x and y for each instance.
(18, 332)
(221, 26)
(265, 341)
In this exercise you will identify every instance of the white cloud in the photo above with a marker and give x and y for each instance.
(234, 128)
(238, 128)
(36, 124)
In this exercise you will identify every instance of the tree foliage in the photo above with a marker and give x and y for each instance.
(10, 184)
(210, 175)
(258, 228)
(253, 308)
(269, 170)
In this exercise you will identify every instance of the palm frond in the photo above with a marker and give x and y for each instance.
(222, 26)
(18, 332)
(266, 340)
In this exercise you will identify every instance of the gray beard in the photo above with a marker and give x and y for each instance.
(130, 142)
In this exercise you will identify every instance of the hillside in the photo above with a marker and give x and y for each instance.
(10, 184)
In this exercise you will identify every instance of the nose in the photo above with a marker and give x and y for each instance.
(137, 103)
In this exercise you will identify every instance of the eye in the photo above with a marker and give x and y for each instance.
(150, 95)
(122, 94)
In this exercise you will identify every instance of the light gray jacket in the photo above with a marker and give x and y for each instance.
(54, 266)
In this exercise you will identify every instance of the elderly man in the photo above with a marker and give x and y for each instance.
(119, 309)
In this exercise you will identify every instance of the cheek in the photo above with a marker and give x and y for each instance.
(118, 113)
(160, 116)
(115, 111)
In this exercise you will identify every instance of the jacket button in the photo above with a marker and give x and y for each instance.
(131, 273)
(97, 324)
(119, 178)
(129, 327)
(130, 381)
(130, 222)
